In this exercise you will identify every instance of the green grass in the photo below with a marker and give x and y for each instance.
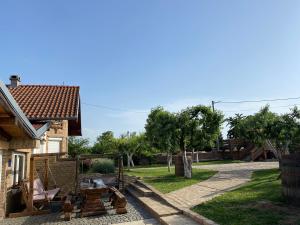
(165, 181)
(213, 162)
(227, 161)
(257, 203)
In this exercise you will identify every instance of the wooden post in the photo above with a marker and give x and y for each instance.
(76, 174)
(46, 174)
(31, 180)
(122, 175)
(217, 141)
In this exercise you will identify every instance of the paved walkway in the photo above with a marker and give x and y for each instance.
(141, 222)
(229, 177)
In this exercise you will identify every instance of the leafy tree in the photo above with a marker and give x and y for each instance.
(235, 125)
(193, 123)
(205, 128)
(172, 130)
(285, 131)
(77, 146)
(266, 127)
(106, 143)
(131, 144)
(161, 132)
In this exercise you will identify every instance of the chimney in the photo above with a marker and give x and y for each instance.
(15, 81)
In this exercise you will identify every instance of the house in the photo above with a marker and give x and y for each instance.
(59, 105)
(34, 119)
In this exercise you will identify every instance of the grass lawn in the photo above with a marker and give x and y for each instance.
(227, 161)
(257, 203)
(166, 182)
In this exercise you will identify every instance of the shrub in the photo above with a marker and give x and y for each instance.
(104, 166)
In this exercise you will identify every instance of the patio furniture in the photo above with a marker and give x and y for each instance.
(118, 201)
(92, 193)
(39, 192)
(35, 194)
(68, 208)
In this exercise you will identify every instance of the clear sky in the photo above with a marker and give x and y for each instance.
(137, 54)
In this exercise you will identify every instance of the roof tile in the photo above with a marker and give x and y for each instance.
(40, 102)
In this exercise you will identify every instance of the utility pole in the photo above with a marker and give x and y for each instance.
(213, 108)
(213, 105)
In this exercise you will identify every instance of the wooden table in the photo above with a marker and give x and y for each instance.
(92, 203)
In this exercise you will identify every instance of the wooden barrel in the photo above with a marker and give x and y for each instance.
(179, 166)
(290, 177)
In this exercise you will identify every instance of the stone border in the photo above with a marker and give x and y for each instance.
(185, 211)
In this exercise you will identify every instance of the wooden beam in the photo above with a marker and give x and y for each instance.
(5, 135)
(5, 115)
(27, 213)
(24, 143)
(7, 122)
(31, 180)
(46, 174)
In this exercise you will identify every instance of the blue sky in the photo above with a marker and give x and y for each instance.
(138, 54)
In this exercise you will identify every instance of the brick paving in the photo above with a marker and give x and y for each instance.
(229, 177)
(136, 215)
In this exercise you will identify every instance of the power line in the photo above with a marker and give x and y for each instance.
(214, 102)
(255, 101)
(255, 109)
(113, 108)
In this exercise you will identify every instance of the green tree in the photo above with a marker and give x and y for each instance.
(279, 132)
(78, 146)
(172, 130)
(161, 132)
(197, 121)
(131, 144)
(105, 143)
(285, 131)
(235, 125)
(205, 129)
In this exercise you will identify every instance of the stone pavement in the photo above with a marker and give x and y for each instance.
(141, 222)
(229, 177)
(155, 202)
(137, 215)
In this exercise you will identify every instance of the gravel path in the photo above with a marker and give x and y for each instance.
(136, 215)
(229, 177)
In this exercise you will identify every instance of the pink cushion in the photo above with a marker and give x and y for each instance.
(50, 195)
(38, 187)
(40, 194)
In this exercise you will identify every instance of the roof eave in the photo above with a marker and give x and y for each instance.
(52, 118)
(19, 113)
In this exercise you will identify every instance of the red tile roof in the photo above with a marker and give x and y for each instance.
(43, 102)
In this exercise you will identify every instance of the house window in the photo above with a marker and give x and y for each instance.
(42, 148)
(54, 145)
(19, 161)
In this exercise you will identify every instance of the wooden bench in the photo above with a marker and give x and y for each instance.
(118, 201)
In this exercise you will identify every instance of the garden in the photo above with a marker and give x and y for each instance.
(259, 202)
(269, 198)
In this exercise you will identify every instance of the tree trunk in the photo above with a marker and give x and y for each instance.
(131, 160)
(128, 161)
(187, 166)
(197, 156)
(169, 160)
(193, 153)
(273, 149)
(187, 170)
